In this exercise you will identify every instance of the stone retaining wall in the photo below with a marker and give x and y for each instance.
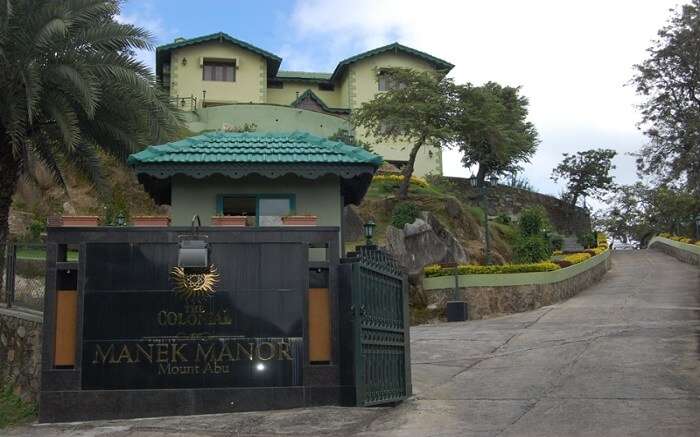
(678, 250)
(487, 301)
(20, 352)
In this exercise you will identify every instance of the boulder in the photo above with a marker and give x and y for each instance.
(421, 243)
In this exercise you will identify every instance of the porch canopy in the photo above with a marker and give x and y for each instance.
(272, 155)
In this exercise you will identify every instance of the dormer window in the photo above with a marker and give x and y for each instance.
(221, 71)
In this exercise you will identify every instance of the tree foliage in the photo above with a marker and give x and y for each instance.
(417, 110)
(586, 173)
(71, 89)
(491, 129)
(669, 81)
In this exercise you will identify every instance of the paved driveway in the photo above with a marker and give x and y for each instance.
(621, 358)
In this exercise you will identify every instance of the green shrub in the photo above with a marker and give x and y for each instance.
(577, 257)
(533, 221)
(556, 241)
(404, 213)
(587, 240)
(470, 269)
(531, 249)
(504, 219)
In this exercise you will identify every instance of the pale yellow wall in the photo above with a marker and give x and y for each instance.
(288, 94)
(363, 86)
(191, 196)
(250, 84)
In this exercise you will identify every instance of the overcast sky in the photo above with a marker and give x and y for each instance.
(571, 58)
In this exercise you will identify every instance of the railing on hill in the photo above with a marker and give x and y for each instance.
(25, 270)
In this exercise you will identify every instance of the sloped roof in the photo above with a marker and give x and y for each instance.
(273, 61)
(255, 147)
(270, 155)
(312, 95)
(438, 63)
(303, 76)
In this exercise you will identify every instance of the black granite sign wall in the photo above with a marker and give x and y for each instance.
(139, 333)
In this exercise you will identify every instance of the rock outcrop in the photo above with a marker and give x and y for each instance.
(425, 241)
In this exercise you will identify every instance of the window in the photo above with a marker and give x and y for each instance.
(219, 71)
(386, 82)
(263, 209)
(275, 84)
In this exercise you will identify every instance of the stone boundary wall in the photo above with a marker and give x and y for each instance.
(565, 218)
(487, 301)
(20, 351)
(684, 252)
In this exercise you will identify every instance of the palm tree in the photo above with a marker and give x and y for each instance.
(71, 89)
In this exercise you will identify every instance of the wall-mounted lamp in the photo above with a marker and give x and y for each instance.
(184, 61)
(368, 229)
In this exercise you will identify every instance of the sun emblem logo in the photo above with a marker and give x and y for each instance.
(195, 285)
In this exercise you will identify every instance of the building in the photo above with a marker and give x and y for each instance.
(263, 176)
(226, 84)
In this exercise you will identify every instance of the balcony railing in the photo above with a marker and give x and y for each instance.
(185, 103)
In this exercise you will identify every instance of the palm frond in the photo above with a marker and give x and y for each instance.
(65, 118)
(83, 85)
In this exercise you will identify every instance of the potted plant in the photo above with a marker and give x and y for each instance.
(151, 220)
(80, 220)
(300, 220)
(230, 220)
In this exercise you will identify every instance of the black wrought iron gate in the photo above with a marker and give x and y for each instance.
(380, 328)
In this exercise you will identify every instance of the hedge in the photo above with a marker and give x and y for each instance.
(471, 269)
(396, 178)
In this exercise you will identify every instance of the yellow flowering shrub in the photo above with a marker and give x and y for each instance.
(397, 178)
(576, 258)
(471, 269)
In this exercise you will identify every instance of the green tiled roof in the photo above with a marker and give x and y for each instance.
(396, 47)
(303, 75)
(273, 61)
(321, 103)
(255, 148)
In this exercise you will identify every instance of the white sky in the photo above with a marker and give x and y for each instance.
(572, 59)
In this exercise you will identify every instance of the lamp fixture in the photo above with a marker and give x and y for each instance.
(368, 229)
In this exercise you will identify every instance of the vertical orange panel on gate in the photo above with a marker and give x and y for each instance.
(319, 325)
(66, 327)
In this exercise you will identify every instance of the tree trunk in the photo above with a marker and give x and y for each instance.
(481, 175)
(9, 173)
(408, 170)
(574, 199)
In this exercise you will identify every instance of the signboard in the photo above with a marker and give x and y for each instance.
(139, 332)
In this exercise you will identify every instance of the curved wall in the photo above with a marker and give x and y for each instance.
(267, 118)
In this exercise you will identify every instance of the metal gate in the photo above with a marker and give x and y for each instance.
(381, 329)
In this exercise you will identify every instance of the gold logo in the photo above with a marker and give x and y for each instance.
(195, 285)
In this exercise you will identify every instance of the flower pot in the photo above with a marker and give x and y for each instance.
(80, 220)
(151, 220)
(230, 220)
(300, 220)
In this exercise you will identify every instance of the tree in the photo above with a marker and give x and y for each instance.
(669, 82)
(491, 130)
(416, 110)
(623, 219)
(347, 137)
(586, 173)
(71, 90)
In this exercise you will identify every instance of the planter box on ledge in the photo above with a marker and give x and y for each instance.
(230, 220)
(80, 220)
(151, 220)
(300, 220)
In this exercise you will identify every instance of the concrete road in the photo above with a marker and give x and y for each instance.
(621, 358)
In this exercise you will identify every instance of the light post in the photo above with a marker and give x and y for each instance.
(484, 194)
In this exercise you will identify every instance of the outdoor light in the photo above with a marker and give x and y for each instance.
(193, 255)
(184, 61)
(369, 231)
(260, 367)
(120, 220)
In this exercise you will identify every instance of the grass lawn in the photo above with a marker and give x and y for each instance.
(37, 253)
(13, 410)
